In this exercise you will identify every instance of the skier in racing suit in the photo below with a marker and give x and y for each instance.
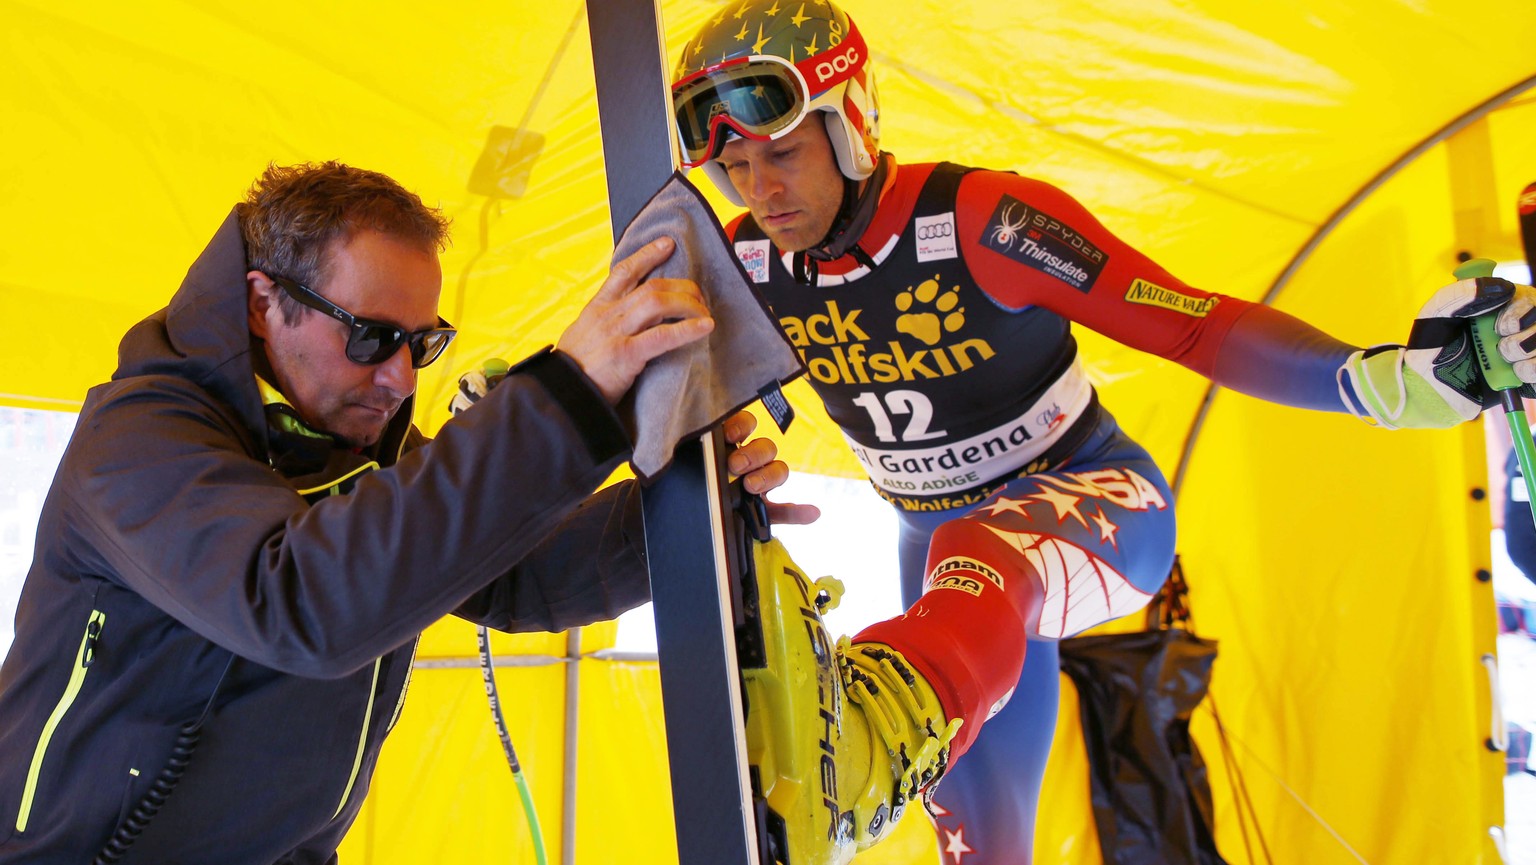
(932, 304)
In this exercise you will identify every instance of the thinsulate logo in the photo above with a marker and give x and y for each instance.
(1040, 241)
(837, 349)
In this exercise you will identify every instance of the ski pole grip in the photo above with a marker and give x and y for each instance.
(495, 370)
(1500, 376)
(1497, 372)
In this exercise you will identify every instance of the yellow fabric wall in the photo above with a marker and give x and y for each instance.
(1333, 562)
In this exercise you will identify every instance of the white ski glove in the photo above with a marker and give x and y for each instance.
(1435, 380)
(475, 385)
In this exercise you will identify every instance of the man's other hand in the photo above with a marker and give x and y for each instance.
(756, 464)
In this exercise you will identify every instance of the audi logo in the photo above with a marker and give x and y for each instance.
(936, 231)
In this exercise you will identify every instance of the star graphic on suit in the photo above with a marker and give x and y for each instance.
(1004, 503)
(956, 845)
(1064, 503)
(1107, 529)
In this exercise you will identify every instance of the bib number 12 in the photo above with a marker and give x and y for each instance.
(899, 402)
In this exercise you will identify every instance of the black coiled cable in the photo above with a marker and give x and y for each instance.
(132, 826)
(137, 821)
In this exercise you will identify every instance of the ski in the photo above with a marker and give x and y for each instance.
(694, 533)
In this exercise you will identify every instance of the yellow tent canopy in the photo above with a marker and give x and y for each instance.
(1332, 158)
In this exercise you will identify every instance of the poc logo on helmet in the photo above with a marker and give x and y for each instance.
(837, 65)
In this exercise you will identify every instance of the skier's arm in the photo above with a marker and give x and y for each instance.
(1030, 244)
(1274, 356)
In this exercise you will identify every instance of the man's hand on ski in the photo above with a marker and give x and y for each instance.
(1436, 379)
(756, 462)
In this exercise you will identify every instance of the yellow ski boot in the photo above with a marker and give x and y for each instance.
(839, 737)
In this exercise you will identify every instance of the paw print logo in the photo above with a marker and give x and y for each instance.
(928, 314)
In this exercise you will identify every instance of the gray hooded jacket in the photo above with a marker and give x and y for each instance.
(206, 613)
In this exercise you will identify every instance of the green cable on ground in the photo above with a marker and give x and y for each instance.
(488, 677)
(533, 817)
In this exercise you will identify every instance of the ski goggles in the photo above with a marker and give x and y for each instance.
(372, 342)
(761, 97)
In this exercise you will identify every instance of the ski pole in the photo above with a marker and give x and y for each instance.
(1500, 375)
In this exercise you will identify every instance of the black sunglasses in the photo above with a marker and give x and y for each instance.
(370, 341)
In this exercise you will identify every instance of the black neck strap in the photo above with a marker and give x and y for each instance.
(853, 217)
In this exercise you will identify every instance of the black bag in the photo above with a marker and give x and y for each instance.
(1151, 794)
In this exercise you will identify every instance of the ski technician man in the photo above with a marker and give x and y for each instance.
(246, 533)
(933, 305)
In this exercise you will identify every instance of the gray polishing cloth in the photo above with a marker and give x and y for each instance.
(690, 389)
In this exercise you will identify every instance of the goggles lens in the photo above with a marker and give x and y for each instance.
(369, 341)
(757, 99)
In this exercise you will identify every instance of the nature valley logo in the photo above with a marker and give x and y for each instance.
(1151, 294)
(837, 349)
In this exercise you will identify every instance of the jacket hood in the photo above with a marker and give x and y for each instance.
(202, 335)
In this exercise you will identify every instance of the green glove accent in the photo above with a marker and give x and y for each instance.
(1395, 396)
(1437, 379)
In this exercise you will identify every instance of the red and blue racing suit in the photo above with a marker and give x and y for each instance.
(1027, 515)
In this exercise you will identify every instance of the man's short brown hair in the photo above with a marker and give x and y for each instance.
(294, 213)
